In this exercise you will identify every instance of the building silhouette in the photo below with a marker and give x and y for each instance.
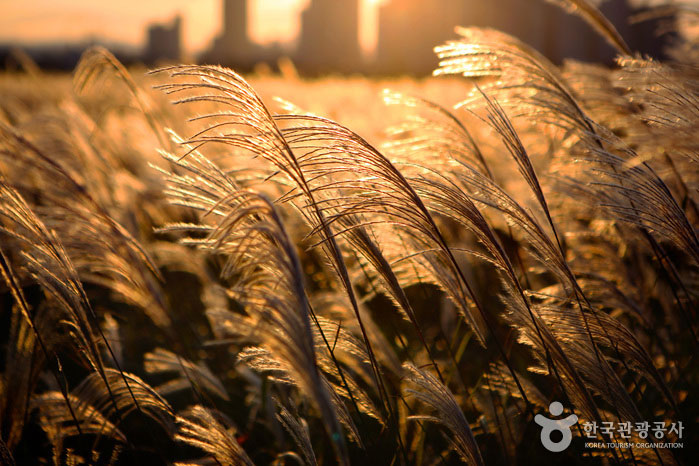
(232, 47)
(235, 22)
(164, 41)
(408, 32)
(410, 29)
(329, 37)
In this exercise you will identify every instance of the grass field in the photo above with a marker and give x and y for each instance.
(200, 267)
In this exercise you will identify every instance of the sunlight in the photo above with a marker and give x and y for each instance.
(222, 243)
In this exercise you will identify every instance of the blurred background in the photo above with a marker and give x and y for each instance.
(387, 37)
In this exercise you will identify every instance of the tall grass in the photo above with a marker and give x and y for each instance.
(192, 277)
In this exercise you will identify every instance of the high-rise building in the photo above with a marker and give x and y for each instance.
(235, 22)
(410, 29)
(164, 42)
(232, 46)
(329, 36)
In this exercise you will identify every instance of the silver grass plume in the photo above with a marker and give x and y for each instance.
(248, 232)
(430, 391)
(201, 428)
(188, 373)
(246, 124)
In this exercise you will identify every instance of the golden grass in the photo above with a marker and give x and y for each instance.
(343, 274)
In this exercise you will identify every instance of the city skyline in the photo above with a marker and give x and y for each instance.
(329, 38)
(278, 21)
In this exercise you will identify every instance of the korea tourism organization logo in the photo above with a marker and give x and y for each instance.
(615, 434)
(549, 426)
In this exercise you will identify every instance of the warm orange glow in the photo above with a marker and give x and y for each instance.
(125, 21)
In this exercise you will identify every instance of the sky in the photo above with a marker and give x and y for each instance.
(34, 21)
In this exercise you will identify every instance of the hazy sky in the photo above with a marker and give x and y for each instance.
(126, 20)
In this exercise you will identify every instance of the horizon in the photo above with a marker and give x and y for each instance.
(43, 22)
